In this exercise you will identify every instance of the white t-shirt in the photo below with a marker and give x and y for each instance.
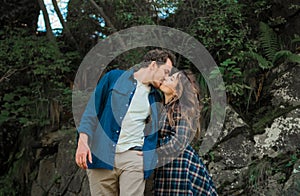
(133, 124)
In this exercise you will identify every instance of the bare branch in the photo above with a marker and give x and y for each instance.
(105, 17)
(47, 21)
(64, 24)
(9, 73)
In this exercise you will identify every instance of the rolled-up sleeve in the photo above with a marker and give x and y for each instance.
(92, 112)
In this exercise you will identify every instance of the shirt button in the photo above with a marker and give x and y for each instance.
(121, 117)
(114, 145)
(117, 131)
(127, 105)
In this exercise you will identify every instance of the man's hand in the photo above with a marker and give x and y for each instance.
(83, 151)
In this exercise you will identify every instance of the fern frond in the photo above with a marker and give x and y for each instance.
(281, 54)
(294, 58)
(262, 62)
(295, 40)
(269, 40)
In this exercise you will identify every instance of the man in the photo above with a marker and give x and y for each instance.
(113, 127)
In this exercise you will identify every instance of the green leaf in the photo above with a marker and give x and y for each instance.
(228, 62)
(23, 120)
(217, 71)
(281, 54)
(9, 97)
(262, 62)
(295, 40)
(269, 40)
(294, 58)
(4, 116)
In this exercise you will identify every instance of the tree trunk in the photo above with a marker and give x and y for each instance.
(105, 17)
(47, 21)
(107, 21)
(64, 24)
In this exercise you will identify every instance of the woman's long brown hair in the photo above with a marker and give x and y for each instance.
(188, 95)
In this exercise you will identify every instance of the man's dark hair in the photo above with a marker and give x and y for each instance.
(158, 55)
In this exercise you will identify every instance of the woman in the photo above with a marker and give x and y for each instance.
(182, 172)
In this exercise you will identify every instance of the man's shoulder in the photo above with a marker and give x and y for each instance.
(115, 72)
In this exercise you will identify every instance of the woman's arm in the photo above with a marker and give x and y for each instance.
(179, 139)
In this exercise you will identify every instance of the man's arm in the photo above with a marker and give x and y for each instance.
(94, 107)
(89, 122)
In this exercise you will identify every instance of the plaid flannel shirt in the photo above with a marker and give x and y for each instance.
(183, 172)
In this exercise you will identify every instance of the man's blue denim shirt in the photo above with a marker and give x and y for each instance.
(103, 116)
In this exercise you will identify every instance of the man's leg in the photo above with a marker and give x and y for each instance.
(131, 180)
(103, 182)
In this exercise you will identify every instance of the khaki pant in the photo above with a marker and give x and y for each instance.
(127, 177)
